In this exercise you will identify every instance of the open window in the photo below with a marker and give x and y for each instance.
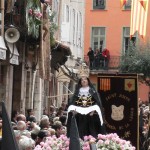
(127, 40)
(98, 38)
(99, 4)
(127, 6)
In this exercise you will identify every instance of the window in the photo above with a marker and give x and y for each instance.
(77, 29)
(56, 5)
(80, 29)
(98, 38)
(98, 4)
(65, 26)
(126, 39)
(67, 13)
(73, 24)
(127, 6)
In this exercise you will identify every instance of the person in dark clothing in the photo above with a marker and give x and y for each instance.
(86, 105)
(62, 119)
(101, 57)
(14, 116)
(97, 59)
(29, 113)
(91, 57)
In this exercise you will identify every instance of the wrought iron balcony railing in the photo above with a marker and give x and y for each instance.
(100, 64)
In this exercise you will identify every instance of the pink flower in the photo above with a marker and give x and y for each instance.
(86, 147)
(38, 147)
(67, 143)
(48, 148)
(60, 145)
(133, 148)
(86, 144)
(45, 145)
(90, 136)
(101, 136)
(30, 11)
(38, 14)
(107, 142)
(122, 147)
(100, 142)
(42, 143)
(86, 138)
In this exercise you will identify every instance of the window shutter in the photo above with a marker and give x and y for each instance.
(65, 31)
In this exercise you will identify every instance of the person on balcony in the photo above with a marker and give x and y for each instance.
(97, 59)
(101, 59)
(86, 105)
(106, 55)
(91, 57)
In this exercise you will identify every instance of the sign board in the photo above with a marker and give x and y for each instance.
(119, 94)
(13, 54)
(2, 54)
(14, 60)
(2, 49)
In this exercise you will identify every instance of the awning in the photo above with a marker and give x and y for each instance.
(2, 48)
(13, 54)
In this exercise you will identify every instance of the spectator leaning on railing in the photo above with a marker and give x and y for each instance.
(90, 54)
(106, 55)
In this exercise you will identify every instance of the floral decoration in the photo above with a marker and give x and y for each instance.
(103, 142)
(109, 142)
(54, 143)
(33, 17)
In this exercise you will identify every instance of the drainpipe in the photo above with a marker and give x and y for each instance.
(23, 81)
(32, 89)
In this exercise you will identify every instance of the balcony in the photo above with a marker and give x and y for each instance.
(99, 67)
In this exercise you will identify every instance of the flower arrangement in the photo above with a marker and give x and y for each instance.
(108, 142)
(103, 142)
(54, 143)
(33, 17)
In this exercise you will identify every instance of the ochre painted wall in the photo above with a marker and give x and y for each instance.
(114, 18)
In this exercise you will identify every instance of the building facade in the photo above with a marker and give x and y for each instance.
(107, 25)
(27, 80)
(25, 61)
(70, 20)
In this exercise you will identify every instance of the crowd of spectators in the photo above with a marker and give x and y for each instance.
(29, 132)
(144, 125)
(98, 58)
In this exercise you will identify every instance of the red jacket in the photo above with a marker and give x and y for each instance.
(106, 53)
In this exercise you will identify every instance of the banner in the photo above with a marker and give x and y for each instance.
(120, 101)
(8, 137)
(139, 13)
(123, 2)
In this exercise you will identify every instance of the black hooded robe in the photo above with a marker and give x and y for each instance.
(87, 124)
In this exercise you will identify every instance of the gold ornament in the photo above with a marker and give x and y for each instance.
(83, 71)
